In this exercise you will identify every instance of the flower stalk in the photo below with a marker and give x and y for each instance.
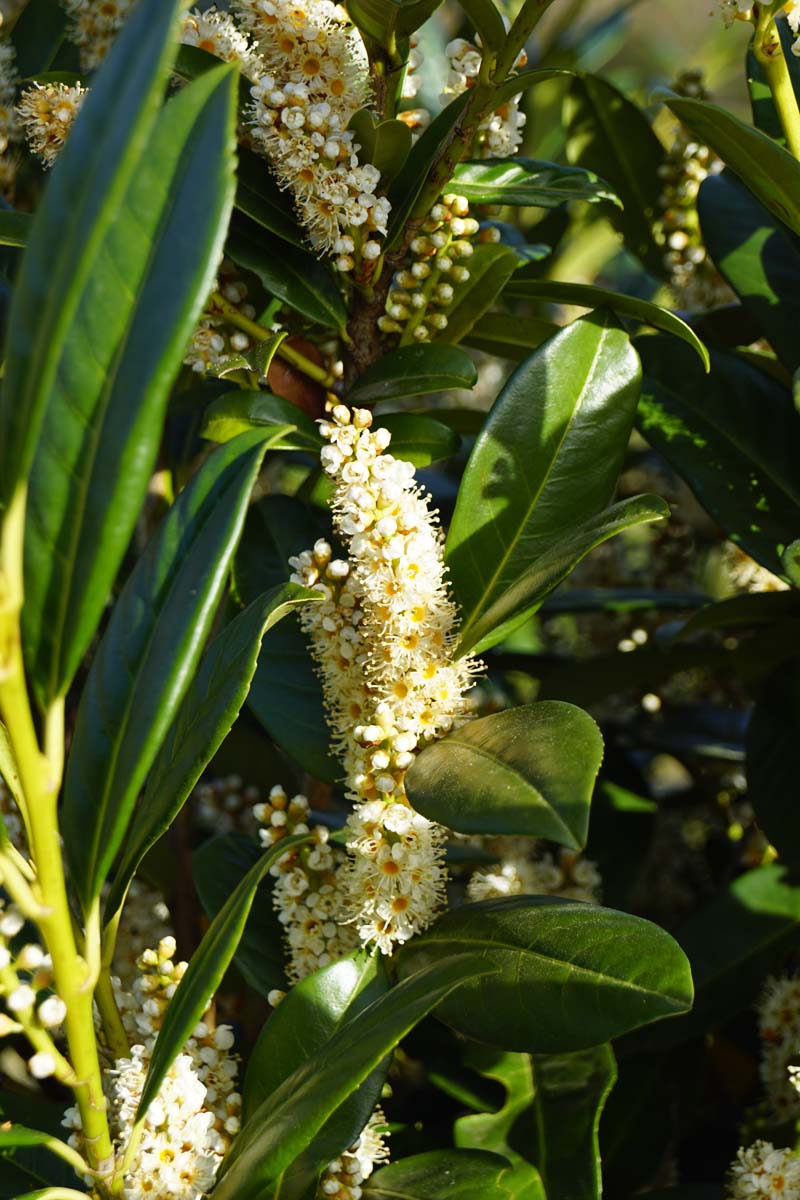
(769, 53)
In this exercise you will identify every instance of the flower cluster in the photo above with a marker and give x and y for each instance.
(217, 33)
(46, 112)
(747, 575)
(762, 1172)
(314, 79)
(145, 922)
(383, 641)
(735, 10)
(526, 868)
(693, 277)
(215, 346)
(342, 1179)
(305, 895)
(779, 1027)
(792, 9)
(93, 25)
(189, 1127)
(500, 134)
(225, 805)
(421, 293)
(31, 1006)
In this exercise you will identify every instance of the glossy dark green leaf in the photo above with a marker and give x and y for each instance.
(308, 1017)
(380, 19)
(485, 19)
(608, 134)
(385, 144)
(211, 705)
(547, 458)
(238, 411)
(103, 419)
(569, 975)
(733, 941)
(535, 584)
(507, 336)
(292, 275)
(411, 179)
(490, 268)
(733, 435)
(524, 181)
(758, 257)
(259, 197)
(81, 201)
(771, 173)
(529, 771)
(218, 866)
(772, 740)
(588, 296)
(37, 36)
(748, 609)
(417, 439)
(151, 648)
(204, 974)
(286, 1124)
(571, 1091)
(443, 1175)
(15, 228)
(414, 371)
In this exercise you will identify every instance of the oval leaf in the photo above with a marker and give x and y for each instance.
(547, 458)
(523, 182)
(204, 974)
(414, 371)
(569, 975)
(236, 412)
(528, 771)
(490, 268)
(151, 648)
(443, 1175)
(417, 439)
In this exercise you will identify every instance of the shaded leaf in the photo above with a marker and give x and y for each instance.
(529, 771)
(414, 371)
(15, 228)
(571, 1091)
(524, 181)
(442, 1174)
(507, 336)
(490, 268)
(569, 975)
(259, 197)
(238, 411)
(417, 439)
(772, 739)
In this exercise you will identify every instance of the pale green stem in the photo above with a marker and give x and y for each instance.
(294, 357)
(769, 52)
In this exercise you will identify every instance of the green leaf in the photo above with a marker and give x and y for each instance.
(103, 420)
(772, 738)
(571, 1091)
(37, 36)
(486, 21)
(218, 865)
(490, 268)
(771, 173)
(308, 1017)
(608, 134)
(405, 191)
(757, 256)
(733, 942)
(498, 1130)
(443, 1175)
(414, 371)
(748, 609)
(551, 568)
(292, 275)
(529, 771)
(209, 709)
(81, 201)
(380, 19)
(419, 440)
(290, 1120)
(733, 435)
(15, 228)
(385, 144)
(259, 197)
(526, 182)
(151, 648)
(587, 296)
(790, 561)
(569, 975)
(547, 458)
(204, 974)
(509, 337)
(238, 411)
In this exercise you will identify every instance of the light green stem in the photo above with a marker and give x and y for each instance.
(294, 357)
(769, 52)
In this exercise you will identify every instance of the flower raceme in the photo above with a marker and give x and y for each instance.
(383, 640)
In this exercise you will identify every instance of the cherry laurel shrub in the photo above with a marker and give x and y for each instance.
(296, 441)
